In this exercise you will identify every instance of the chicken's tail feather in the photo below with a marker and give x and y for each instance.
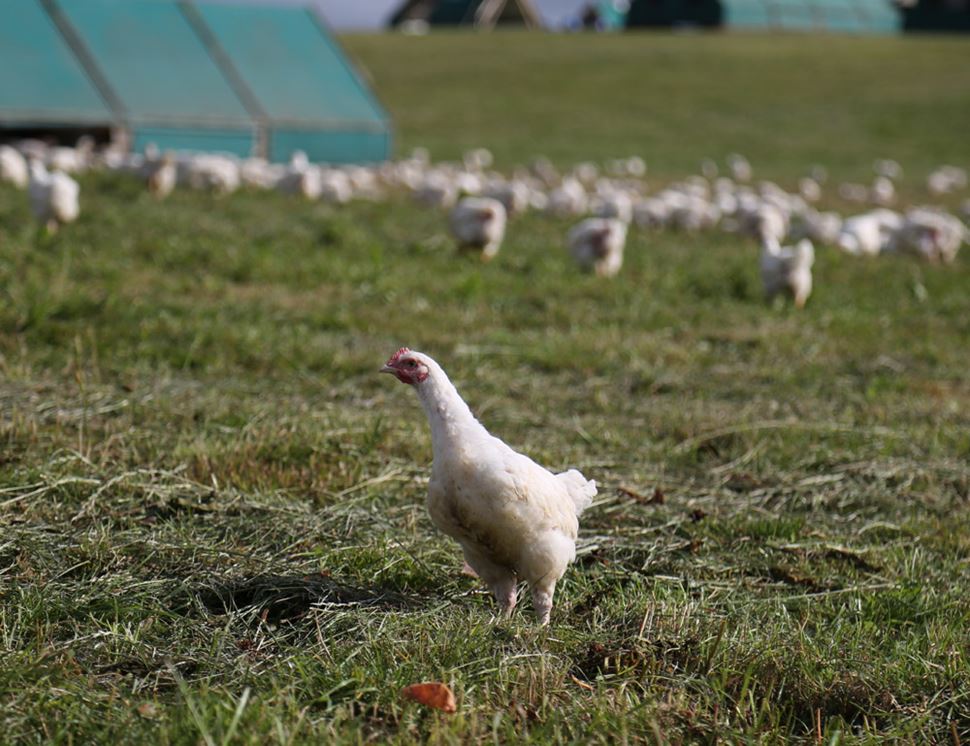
(581, 490)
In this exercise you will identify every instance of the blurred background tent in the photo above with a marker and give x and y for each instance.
(612, 13)
(481, 13)
(667, 13)
(852, 16)
(603, 15)
(242, 79)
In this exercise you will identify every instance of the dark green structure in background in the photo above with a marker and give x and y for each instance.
(243, 79)
(671, 13)
(937, 15)
(848, 16)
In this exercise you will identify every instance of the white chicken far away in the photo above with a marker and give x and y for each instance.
(514, 519)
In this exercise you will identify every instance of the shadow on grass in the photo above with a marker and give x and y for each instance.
(287, 597)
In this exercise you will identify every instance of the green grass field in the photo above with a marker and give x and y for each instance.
(212, 514)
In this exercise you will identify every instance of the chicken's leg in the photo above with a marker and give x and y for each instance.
(504, 592)
(500, 580)
(542, 592)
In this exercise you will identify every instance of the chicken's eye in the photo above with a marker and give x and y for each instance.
(411, 364)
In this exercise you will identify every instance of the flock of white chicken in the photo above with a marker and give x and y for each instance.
(605, 201)
(515, 520)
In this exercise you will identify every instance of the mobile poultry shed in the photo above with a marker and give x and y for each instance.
(243, 79)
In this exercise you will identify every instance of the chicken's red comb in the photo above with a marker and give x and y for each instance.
(398, 355)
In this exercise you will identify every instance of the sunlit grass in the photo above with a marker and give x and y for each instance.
(212, 507)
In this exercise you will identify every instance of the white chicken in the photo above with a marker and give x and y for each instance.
(436, 190)
(53, 196)
(651, 212)
(819, 227)
(514, 519)
(787, 269)
(765, 221)
(586, 172)
(478, 159)
(888, 168)
(13, 167)
(259, 173)
(870, 233)
(636, 167)
(569, 198)
(479, 223)
(883, 191)
(161, 175)
(513, 194)
(335, 186)
(210, 171)
(70, 160)
(692, 213)
(946, 179)
(614, 204)
(740, 167)
(302, 178)
(810, 189)
(931, 234)
(597, 245)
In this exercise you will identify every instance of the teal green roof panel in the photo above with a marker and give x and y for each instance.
(881, 16)
(741, 13)
(41, 80)
(792, 15)
(155, 62)
(294, 70)
(207, 140)
(330, 147)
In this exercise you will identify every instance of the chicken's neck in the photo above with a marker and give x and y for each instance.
(452, 422)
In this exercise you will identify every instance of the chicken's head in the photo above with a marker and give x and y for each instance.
(409, 367)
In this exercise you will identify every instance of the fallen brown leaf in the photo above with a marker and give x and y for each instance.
(639, 497)
(697, 515)
(657, 498)
(431, 694)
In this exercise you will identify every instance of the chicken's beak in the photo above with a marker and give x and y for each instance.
(387, 369)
